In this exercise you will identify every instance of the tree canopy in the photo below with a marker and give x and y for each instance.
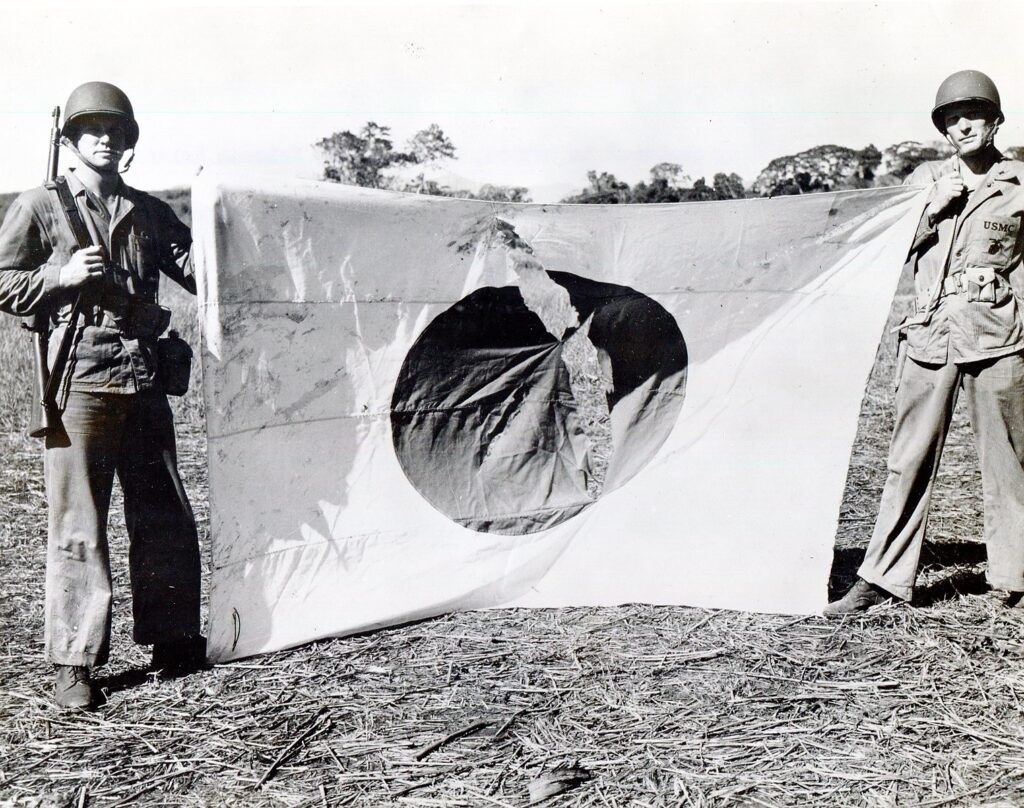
(364, 159)
(668, 183)
(370, 159)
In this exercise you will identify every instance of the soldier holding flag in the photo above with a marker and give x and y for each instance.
(89, 256)
(966, 334)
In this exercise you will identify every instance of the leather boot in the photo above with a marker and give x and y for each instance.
(861, 597)
(73, 688)
(1014, 600)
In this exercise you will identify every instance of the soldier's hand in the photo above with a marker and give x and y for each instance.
(85, 267)
(948, 189)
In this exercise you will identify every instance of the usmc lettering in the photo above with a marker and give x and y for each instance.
(1002, 227)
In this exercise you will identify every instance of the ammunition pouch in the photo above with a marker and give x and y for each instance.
(978, 283)
(133, 317)
(982, 283)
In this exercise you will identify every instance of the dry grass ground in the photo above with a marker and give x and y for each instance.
(909, 706)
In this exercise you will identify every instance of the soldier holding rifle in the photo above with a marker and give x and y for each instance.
(966, 334)
(85, 253)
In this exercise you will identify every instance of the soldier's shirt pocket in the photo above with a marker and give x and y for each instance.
(992, 245)
(142, 252)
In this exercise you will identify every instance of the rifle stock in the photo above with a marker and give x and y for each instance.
(42, 420)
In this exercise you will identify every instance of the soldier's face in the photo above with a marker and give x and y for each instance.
(970, 127)
(101, 141)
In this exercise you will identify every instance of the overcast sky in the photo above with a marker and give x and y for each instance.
(531, 94)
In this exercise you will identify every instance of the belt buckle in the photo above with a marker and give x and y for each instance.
(954, 284)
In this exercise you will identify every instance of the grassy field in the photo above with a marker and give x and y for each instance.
(633, 706)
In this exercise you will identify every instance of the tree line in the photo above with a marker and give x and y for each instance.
(369, 158)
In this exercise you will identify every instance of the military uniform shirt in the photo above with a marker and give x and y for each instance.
(970, 311)
(144, 238)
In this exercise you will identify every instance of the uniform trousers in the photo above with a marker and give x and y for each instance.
(132, 436)
(994, 394)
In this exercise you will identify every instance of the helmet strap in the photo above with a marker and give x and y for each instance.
(992, 137)
(65, 141)
(67, 144)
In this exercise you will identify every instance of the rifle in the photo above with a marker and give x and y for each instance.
(44, 415)
(48, 382)
(50, 408)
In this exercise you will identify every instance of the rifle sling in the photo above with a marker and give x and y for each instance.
(72, 215)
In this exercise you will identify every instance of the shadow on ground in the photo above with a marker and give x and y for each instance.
(949, 569)
(124, 680)
(134, 677)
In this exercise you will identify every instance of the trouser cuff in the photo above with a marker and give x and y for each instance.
(901, 591)
(78, 660)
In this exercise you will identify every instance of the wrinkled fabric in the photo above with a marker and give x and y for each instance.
(418, 405)
(501, 447)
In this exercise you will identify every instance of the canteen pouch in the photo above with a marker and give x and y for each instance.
(174, 364)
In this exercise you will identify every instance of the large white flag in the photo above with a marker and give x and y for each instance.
(416, 405)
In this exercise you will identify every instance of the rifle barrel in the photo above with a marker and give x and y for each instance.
(54, 156)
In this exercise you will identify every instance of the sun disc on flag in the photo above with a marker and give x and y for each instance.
(508, 428)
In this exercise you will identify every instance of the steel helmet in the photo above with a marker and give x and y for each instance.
(965, 85)
(100, 98)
